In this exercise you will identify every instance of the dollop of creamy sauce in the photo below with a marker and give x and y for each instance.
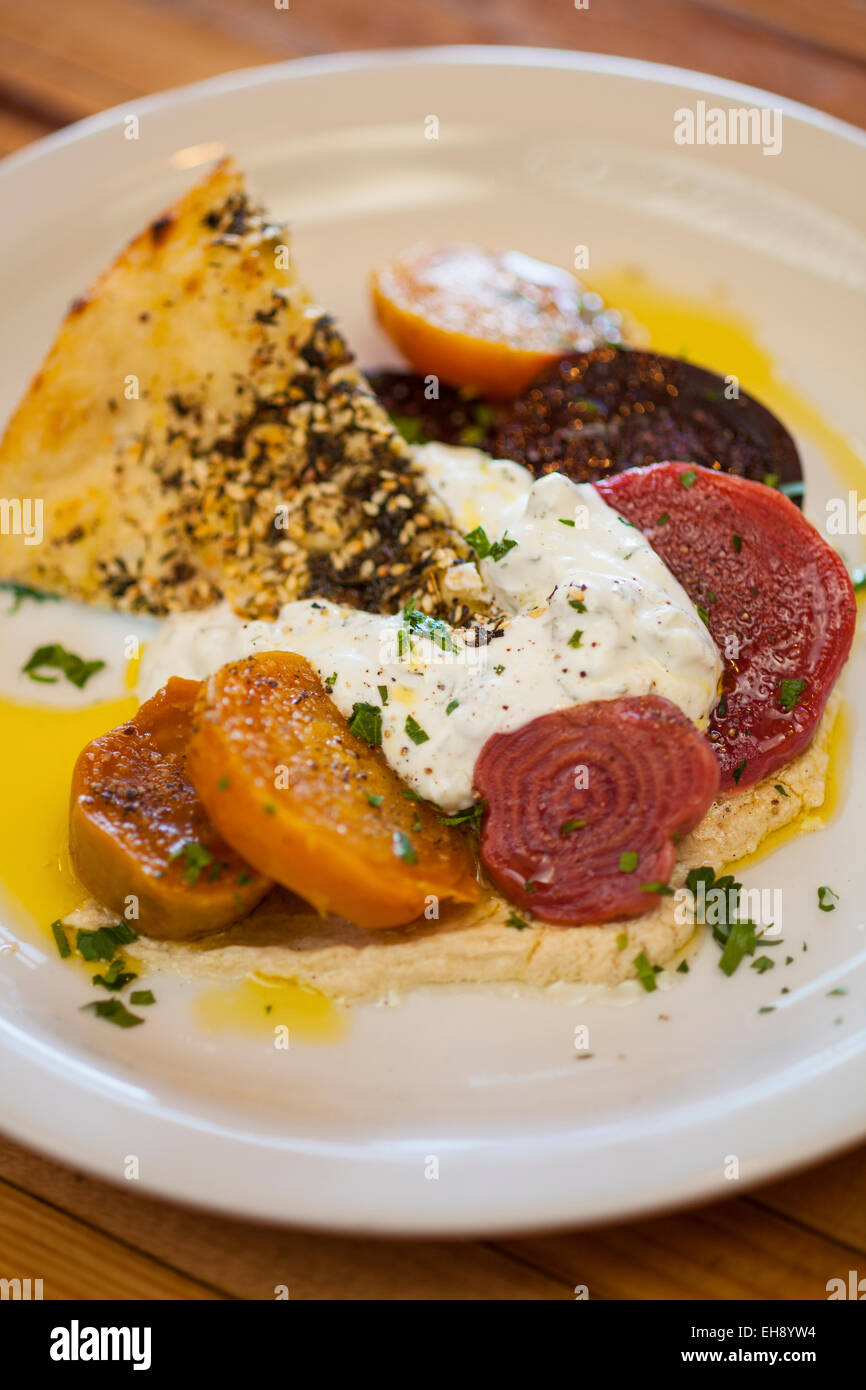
(589, 610)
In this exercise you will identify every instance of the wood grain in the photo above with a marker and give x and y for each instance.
(87, 1240)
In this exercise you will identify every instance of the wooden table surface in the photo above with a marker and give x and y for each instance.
(59, 62)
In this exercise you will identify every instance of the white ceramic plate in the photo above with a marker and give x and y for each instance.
(541, 151)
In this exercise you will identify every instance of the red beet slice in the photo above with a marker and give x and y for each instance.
(777, 600)
(582, 805)
(594, 414)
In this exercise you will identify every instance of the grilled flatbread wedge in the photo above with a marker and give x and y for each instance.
(198, 430)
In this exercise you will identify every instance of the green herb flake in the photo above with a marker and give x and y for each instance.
(767, 1009)
(569, 825)
(683, 968)
(763, 964)
(576, 637)
(403, 847)
(223, 784)
(424, 626)
(20, 592)
(471, 815)
(61, 938)
(663, 519)
(144, 996)
(739, 770)
(628, 861)
(564, 521)
(114, 1012)
(722, 706)
(688, 479)
(366, 723)
(498, 670)
(374, 800)
(737, 542)
(777, 786)
(703, 614)
(411, 427)
(409, 794)
(790, 692)
(383, 694)
(102, 943)
(740, 943)
(414, 730)
(577, 604)
(485, 548)
(332, 680)
(622, 941)
(515, 921)
(196, 858)
(827, 899)
(646, 973)
(57, 658)
(115, 977)
(451, 706)
(657, 886)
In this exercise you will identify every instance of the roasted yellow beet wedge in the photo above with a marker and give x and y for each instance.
(314, 807)
(140, 837)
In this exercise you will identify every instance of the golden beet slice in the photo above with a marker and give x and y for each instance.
(311, 805)
(137, 829)
(485, 320)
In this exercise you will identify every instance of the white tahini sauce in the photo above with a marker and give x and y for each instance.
(593, 613)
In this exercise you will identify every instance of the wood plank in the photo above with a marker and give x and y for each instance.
(251, 1261)
(39, 1242)
(840, 24)
(830, 1199)
(733, 1250)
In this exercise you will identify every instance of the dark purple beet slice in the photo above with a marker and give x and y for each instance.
(594, 414)
(455, 417)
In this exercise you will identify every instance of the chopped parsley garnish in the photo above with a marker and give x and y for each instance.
(61, 938)
(374, 799)
(646, 973)
(21, 591)
(519, 923)
(142, 996)
(366, 723)
(722, 706)
(102, 943)
(383, 694)
(332, 680)
(771, 479)
(790, 692)
(403, 847)
(451, 706)
(780, 789)
(767, 1009)
(414, 730)
(622, 941)
(763, 964)
(689, 478)
(628, 861)
(657, 886)
(472, 813)
(737, 542)
(425, 626)
(410, 795)
(55, 657)
(663, 519)
(115, 977)
(577, 604)
(739, 770)
(703, 614)
(569, 825)
(827, 899)
(196, 857)
(564, 521)
(245, 876)
(114, 1012)
(740, 942)
(485, 548)
(411, 427)
(498, 670)
(683, 968)
(576, 637)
